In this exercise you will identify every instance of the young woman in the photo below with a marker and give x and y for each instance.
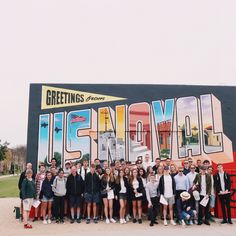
(121, 190)
(59, 189)
(107, 193)
(47, 197)
(136, 185)
(39, 178)
(167, 190)
(28, 193)
(129, 199)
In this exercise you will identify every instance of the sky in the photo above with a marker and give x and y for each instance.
(104, 41)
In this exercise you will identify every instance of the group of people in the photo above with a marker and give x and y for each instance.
(183, 194)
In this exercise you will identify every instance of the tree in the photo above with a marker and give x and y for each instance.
(3, 150)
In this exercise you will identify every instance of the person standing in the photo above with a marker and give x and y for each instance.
(223, 188)
(167, 190)
(59, 189)
(46, 196)
(28, 193)
(107, 193)
(186, 169)
(92, 189)
(74, 188)
(151, 194)
(181, 182)
(202, 181)
(136, 185)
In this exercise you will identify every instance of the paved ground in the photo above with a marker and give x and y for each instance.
(11, 227)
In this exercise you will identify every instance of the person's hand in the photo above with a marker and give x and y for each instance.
(221, 193)
(116, 197)
(188, 208)
(207, 196)
(149, 205)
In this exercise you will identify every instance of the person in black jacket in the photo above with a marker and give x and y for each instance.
(136, 185)
(92, 189)
(107, 194)
(122, 190)
(46, 196)
(223, 186)
(74, 188)
(167, 189)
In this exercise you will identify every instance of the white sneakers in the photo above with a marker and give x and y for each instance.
(107, 221)
(123, 221)
(183, 223)
(49, 221)
(112, 220)
(172, 222)
(127, 218)
(45, 222)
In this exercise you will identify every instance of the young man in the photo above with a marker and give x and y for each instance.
(75, 188)
(167, 189)
(147, 162)
(198, 165)
(186, 169)
(202, 181)
(157, 164)
(223, 187)
(84, 169)
(151, 194)
(191, 175)
(28, 193)
(181, 182)
(212, 196)
(92, 190)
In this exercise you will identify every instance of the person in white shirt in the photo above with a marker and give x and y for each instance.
(181, 182)
(191, 175)
(147, 162)
(167, 189)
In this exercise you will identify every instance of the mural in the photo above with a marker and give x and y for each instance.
(174, 128)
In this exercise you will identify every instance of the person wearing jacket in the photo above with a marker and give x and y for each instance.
(92, 189)
(167, 189)
(136, 186)
(59, 189)
(28, 193)
(22, 177)
(223, 188)
(121, 191)
(107, 193)
(75, 188)
(46, 196)
(202, 182)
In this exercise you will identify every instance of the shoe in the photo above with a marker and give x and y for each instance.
(62, 221)
(72, 221)
(112, 220)
(124, 221)
(183, 223)
(155, 222)
(95, 220)
(199, 222)
(107, 221)
(212, 220)
(78, 221)
(191, 222)
(45, 222)
(206, 222)
(230, 222)
(49, 221)
(28, 226)
(151, 224)
(140, 221)
(165, 222)
(35, 219)
(88, 221)
(172, 222)
(134, 220)
(127, 218)
(57, 221)
(224, 222)
(121, 221)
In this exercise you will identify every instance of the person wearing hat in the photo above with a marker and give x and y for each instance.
(185, 209)
(203, 182)
(167, 189)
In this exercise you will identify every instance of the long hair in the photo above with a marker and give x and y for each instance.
(118, 177)
(131, 177)
(110, 176)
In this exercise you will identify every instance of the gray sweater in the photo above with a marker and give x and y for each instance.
(59, 186)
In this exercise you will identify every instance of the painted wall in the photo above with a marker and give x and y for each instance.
(110, 122)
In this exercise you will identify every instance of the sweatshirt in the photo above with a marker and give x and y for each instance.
(59, 186)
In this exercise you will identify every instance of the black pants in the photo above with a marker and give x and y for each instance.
(59, 207)
(203, 211)
(152, 212)
(225, 203)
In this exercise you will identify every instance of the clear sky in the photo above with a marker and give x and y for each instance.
(104, 41)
